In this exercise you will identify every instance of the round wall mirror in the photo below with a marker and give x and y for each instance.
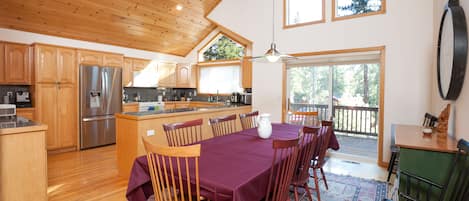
(452, 51)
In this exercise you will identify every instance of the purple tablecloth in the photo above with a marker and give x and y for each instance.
(232, 167)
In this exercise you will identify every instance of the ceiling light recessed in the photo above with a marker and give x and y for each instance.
(179, 7)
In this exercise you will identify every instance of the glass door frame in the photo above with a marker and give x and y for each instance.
(382, 63)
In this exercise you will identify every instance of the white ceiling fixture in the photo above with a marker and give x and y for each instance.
(272, 55)
(179, 7)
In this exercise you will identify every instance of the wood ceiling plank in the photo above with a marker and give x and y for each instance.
(153, 25)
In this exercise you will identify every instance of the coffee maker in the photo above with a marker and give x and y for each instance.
(23, 99)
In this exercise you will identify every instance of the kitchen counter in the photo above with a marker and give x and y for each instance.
(23, 160)
(132, 126)
(18, 124)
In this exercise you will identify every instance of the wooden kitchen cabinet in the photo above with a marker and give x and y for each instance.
(246, 73)
(67, 116)
(139, 64)
(183, 75)
(90, 58)
(167, 74)
(127, 73)
(130, 107)
(56, 106)
(45, 63)
(2, 62)
(17, 64)
(46, 106)
(55, 64)
(67, 68)
(114, 60)
(27, 113)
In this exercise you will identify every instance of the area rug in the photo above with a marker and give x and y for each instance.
(348, 188)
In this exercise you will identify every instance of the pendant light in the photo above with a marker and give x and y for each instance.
(272, 55)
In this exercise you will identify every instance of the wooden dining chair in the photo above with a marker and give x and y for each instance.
(174, 171)
(308, 146)
(283, 167)
(324, 136)
(303, 118)
(184, 133)
(223, 125)
(248, 120)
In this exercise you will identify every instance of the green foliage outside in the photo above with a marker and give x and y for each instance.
(223, 49)
(352, 85)
(360, 7)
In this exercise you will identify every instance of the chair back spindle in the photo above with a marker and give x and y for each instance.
(283, 167)
(248, 120)
(304, 118)
(179, 134)
(174, 171)
(223, 125)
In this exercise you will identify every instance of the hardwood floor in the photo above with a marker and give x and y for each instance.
(85, 176)
(91, 175)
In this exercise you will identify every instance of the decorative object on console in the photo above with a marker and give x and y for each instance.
(452, 51)
(442, 128)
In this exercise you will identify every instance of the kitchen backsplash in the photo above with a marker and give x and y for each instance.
(4, 89)
(168, 94)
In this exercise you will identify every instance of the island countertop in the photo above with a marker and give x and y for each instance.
(177, 112)
(412, 137)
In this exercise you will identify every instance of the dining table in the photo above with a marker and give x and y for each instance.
(232, 167)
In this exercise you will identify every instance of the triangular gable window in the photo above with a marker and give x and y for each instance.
(221, 47)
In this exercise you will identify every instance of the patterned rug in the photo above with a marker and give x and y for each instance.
(348, 188)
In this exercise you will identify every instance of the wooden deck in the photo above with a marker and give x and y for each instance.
(359, 146)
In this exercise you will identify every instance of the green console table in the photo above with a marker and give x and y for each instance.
(427, 156)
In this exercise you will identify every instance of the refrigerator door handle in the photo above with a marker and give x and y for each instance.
(98, 118)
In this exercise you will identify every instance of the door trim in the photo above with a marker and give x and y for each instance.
(382, 50)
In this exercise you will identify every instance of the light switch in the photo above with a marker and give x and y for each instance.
(150, 132)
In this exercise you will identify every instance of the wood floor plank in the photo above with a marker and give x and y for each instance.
(89, 175)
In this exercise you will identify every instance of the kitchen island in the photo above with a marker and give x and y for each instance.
(132, 126)
(23, 159)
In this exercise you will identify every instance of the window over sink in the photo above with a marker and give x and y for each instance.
(223, 79)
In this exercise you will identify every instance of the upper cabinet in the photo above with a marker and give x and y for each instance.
(100, 58)
(185, 76)
(246, 73)
(55, 64)
(167, 74)
(139, 73)
(16, 64)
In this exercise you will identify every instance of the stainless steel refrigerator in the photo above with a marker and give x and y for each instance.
(100, 99)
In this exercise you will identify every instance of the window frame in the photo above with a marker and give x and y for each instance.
(215, 65)
(347, 17)
(219, 34)
(286, 26)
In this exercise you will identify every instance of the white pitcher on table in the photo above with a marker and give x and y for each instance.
(264, 127)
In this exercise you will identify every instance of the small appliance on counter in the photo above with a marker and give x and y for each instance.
(246, 98)
(7, 110)
(23, 99)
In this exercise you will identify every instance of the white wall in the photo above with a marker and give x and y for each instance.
(29, 38)
(462, 103)
(406, 30)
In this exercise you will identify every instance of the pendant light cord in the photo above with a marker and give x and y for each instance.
(273, 21)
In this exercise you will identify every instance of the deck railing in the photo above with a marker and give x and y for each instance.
(347, 119)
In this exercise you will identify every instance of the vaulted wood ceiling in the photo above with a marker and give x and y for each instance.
(153, 25)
